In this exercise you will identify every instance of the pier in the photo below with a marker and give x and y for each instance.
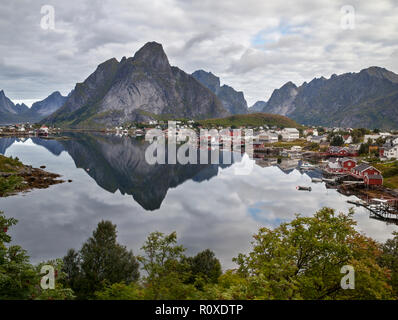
(381, 209)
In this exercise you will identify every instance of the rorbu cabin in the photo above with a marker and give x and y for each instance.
(373, 180)
(347, 164)
(364, 169)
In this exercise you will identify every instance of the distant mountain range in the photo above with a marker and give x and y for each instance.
(145, 87)
(13, 113)
(232, 100)
(136, 89)
(365, 99)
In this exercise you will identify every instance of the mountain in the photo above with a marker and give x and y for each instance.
(232, 100)
(368, 98)
(135, 89)
(8, 110)
(14, 113)
(257, 107)
(282, 100)
(49, 105)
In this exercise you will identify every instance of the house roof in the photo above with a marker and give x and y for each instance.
(363, 166)
(348, 159)
(291, 130)
(334, 165)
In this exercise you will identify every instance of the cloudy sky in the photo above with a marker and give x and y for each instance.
(253, 45)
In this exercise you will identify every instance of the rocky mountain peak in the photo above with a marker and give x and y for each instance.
(208, 79)
(232, 100)
(380, 73)
(153, 56)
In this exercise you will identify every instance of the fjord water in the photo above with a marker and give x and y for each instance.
(209, 206)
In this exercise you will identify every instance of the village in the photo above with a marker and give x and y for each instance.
(344, 155)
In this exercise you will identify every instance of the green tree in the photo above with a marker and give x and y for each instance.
(303, 259)
(18, 278)
(17, 275)
(205, 266)
(100, 261)
(363, 149)
(389, 259)
(337, 140)
(59, 292)
(166, 268)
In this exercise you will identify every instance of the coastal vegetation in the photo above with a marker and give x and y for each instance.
(389, 171)
(17, 177)
(254, 120)
(9, 180)
(301, 259)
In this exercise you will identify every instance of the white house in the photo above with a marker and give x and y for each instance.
(391, 152)
(269, 137)
(347, 139)
(296, 148)
(374, 137)
(290, 134)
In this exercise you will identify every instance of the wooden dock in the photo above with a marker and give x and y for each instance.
(380, 209)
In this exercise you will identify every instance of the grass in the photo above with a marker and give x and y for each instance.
(9, 164)
(390, 173)
(254, 120)
(12, 182)
(9, 184)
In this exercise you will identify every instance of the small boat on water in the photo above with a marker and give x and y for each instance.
(328, 180)
(307, 166)
(304, 188)
(316, 180)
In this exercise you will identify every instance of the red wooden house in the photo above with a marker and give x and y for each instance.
(364, 169)
(347, 164)
(341, 152)
(374, 179)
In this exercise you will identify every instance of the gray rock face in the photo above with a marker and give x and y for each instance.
(49, 105)
(365, 99)
(6, 105)
(234, 101)
(137, 88)
(13, 113)
(258, 107)
(282, 100)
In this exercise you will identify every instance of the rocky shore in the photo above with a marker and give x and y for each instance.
(16, 177)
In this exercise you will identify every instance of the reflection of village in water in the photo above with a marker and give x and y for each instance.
(335, 170)
(381, 205)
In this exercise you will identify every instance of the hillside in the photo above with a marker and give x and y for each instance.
(232, 100)
(11, 113)
(135, 88)
(254, 119)
(365, 99)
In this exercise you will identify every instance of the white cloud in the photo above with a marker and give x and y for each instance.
(254, 46)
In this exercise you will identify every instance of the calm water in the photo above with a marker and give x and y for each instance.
(208, 205)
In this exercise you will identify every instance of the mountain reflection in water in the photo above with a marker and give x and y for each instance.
(208, 205)
(118, 163)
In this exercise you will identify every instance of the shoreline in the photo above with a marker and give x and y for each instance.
(16, 177)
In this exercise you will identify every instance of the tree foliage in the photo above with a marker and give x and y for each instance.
(303, 259)
(18, 278)
(337, 140)
(100, 261)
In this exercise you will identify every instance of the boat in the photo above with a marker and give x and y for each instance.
(316, 180)
(304, 188)
(307, 166)
(329, 180)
